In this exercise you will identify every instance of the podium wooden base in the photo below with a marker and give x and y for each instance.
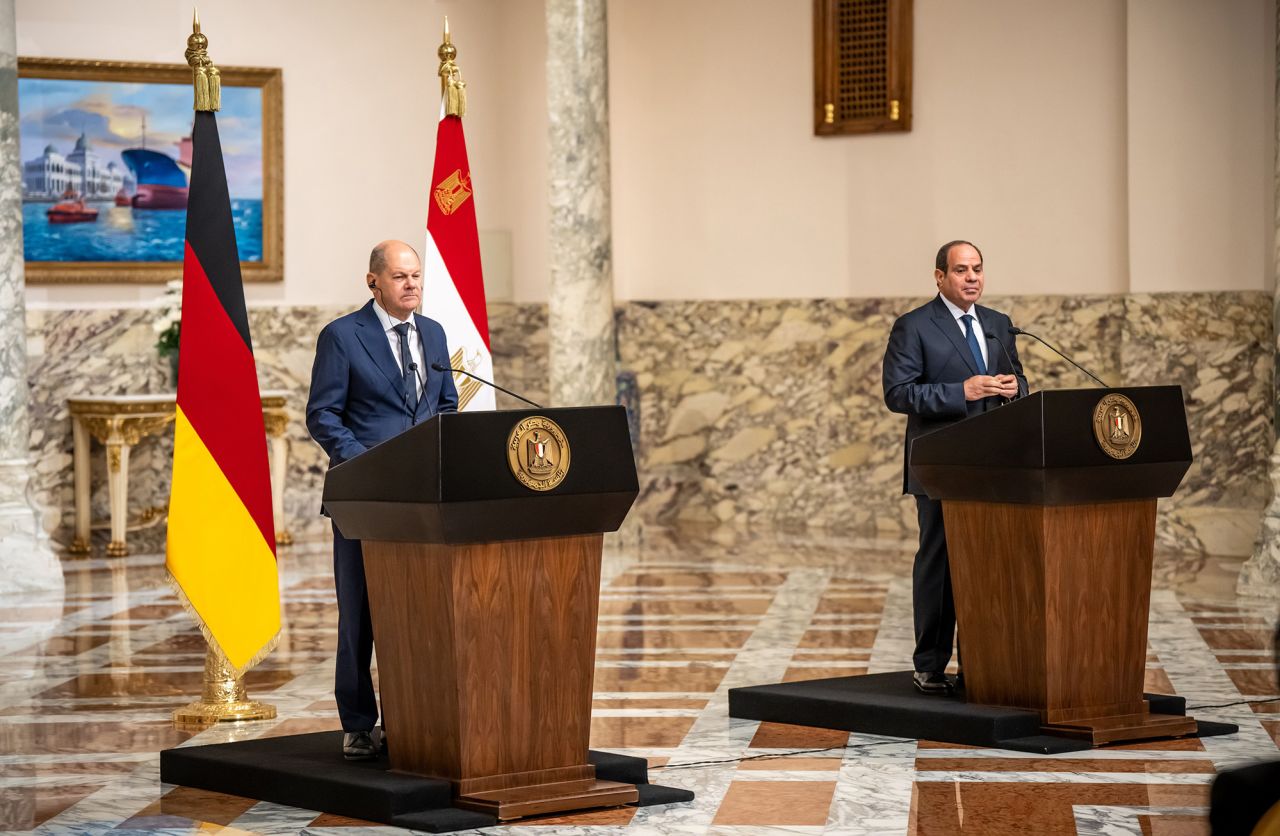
(1052, 604)
(486, 656)
(518, 802)
(1103, 730)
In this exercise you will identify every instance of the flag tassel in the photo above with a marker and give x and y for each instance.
(205, 77)
(453, 90)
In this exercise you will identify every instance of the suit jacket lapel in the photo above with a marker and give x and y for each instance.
(374, 340)
(947, 325)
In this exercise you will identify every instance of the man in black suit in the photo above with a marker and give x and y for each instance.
(946, 361)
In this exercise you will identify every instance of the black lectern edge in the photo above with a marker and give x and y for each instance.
(467, 522)
(1048, 485)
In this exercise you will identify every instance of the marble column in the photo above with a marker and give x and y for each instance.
(581, 303)
(26, 561)
(1261, 573)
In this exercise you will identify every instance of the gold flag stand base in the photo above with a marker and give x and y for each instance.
(223, 699)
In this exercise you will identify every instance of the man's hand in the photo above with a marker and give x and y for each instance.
(985, 386)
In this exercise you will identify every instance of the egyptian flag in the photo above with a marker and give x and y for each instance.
(221, 539)
(452, 279)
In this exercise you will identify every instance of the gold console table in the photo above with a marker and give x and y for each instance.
(119, 422)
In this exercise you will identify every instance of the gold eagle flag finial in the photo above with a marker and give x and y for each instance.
(452, 88)
(205, 76)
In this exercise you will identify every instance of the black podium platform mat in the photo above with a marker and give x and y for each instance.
(888, 704)
(308, 771)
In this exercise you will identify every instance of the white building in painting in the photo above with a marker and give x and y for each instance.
(50, 175)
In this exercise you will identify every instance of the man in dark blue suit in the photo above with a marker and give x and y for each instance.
(372, 379)
(946, 360)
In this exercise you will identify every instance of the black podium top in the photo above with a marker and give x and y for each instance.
(448, 481)
(1041, 449)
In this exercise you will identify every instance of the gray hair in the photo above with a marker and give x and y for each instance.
(378, 258)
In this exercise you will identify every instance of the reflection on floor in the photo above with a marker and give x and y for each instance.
(87, 686)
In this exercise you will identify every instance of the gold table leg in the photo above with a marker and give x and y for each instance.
(223, 699)
(118, 493)
(276, 422)
(80, 463)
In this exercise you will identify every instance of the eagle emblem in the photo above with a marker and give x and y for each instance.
(538, 453)
(1117, 426)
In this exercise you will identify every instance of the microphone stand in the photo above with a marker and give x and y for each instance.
(440, 367)
(1019, 332)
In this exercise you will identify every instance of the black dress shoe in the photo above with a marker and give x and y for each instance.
(932, 682)
(959, 680)
(359, 746)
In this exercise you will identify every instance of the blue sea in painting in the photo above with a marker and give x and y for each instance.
(122, 233)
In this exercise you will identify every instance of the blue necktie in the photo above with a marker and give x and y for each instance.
(972, 339)
(406, 360)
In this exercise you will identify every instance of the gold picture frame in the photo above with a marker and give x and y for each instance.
(270, 267)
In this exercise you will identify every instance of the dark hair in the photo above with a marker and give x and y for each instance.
(944, 252)
(378, 258)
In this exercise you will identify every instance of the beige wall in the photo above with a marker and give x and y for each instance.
(1078, 143)
(721, 185)
(1202, 124)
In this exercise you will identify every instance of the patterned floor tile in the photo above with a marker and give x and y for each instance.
(87, 685)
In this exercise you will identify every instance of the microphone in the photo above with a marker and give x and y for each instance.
(1013, 371)
(440, 367)
(414, 368)
(1018, 332)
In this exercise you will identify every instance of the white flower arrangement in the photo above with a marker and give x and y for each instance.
(168, 323)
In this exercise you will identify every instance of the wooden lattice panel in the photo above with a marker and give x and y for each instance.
(862, 42)
(862, 66)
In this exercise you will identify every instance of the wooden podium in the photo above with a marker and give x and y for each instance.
(484, 595)
(1051, 540)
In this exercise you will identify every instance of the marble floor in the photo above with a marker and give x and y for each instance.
(87, 684)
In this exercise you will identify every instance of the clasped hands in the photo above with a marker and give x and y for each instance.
(985, 386)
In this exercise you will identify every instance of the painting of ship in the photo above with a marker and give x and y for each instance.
(71, 212)
(161, 181)
(106, 170)
(72, 209)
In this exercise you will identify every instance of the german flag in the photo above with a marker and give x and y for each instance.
(221, 549)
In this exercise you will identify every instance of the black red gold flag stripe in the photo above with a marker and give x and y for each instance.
(221, 543)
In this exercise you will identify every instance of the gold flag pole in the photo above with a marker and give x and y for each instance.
(205, 77)
(452, 88)
(223, 697)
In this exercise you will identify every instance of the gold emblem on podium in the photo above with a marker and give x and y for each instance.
(1117, 426)
(538, 453)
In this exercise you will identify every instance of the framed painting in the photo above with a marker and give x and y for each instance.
(106, 154)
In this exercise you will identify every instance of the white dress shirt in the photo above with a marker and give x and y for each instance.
(415, 343)
(977, 327)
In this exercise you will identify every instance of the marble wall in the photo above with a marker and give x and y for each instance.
(762, 412)
(770, 412)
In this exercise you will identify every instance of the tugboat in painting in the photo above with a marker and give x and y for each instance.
(72, 209)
